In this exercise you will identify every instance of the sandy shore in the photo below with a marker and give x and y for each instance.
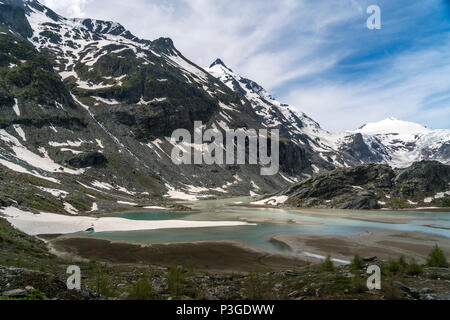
(229, 256)
(372, 216)
(50, 223)
(223, 256)
(276, 221)
(380, 243)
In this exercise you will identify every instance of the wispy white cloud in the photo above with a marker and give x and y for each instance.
(269, 41)
(403, 89)
(68, 8)
(309, 53)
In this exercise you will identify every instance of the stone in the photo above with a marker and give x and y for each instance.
(318, 293)
(124, 296)
(293, 294)
(444, 296)
(85, 160)
(426, 290)
(370, 259)
(16, 293)
(410, 291)
(348, 275)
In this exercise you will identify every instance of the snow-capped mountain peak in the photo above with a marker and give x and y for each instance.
(393, 141)
(301, 129)
(394, 126)
(261, 100)
(404, 142)
(219, 62)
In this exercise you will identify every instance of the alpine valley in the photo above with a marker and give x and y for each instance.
(87, 181)
(87, 110)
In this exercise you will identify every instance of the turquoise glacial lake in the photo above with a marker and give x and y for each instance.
(258, 234)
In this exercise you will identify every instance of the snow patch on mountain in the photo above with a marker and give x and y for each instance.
(44, 163)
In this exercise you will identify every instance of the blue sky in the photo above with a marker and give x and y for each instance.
(317, 55)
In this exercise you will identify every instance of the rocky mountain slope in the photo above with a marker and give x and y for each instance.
(372, 186)
(87, 110)
(391, 141)
(297, 126)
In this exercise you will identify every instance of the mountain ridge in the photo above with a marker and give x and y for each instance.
(369, 143)
(88, 111)
(127, 97)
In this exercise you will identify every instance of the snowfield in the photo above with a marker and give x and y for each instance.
(50, 223)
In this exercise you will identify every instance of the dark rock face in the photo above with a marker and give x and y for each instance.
(343, 187)
(92, 159)
(362, 202)
(159, 119)
(164, 44)
(425, 176)
(293, 159)
(370, 186)
(445, 151)
(13, 16)
(114, 114)
(358, 149)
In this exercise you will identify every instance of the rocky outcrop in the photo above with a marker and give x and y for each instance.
(91, 159)
(357, 148)
(374, 186)
(13, 15)
(422, 177)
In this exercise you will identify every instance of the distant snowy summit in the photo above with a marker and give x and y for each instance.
(394, 126)
(404, 142)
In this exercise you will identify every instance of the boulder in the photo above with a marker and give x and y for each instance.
(85, 160)
(16, 293)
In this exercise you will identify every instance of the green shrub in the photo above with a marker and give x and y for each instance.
(327, 265)
(396, 266)
(142, 290)
(390, 290)
(175, 281)
(35, 295)
(357, 263)
(414, 269)
(436, 258)
(103, 283)
(402, 263)
(258, 287)
(358, 285)
(442, 202)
